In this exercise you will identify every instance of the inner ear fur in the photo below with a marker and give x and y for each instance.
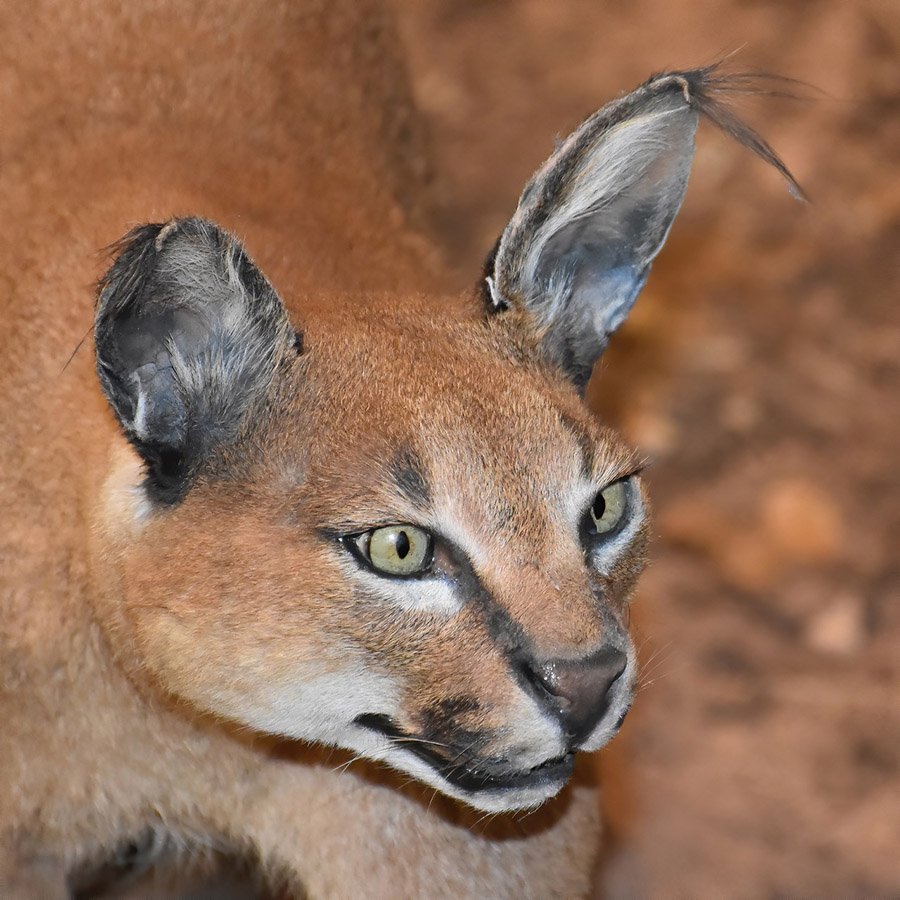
(589, 223)
(188, 333)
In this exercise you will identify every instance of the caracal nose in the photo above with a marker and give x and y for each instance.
(576, 691)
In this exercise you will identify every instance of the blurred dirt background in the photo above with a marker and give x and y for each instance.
(761, 374)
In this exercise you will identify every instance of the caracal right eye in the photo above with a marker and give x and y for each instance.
(399, 550)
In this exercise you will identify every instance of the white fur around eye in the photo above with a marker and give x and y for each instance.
(433, 595)
(420, 595)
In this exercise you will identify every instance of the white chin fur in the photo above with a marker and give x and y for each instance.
(373, 746)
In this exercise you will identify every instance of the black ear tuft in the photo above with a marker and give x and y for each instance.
(578, 249)
(188, 333)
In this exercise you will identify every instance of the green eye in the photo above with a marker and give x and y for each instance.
(609, 508)
(397, 549)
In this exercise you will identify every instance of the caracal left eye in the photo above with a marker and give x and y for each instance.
(609, 508)
(401, 550)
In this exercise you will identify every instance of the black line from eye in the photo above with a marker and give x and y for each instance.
(507, 635)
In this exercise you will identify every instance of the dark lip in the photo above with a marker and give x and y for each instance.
(463, 774)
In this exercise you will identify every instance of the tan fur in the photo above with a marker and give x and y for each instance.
(133, 642)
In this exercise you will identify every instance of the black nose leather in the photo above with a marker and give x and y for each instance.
(576, 691)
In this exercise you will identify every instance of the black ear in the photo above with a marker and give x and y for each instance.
(578, 249)
(188, 333)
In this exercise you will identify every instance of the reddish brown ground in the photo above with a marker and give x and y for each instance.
(761, 372)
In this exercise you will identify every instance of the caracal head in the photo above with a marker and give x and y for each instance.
(394, 527)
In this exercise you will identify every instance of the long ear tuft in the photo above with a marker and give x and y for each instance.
(706, 86)
(578, 249)
(188, 334)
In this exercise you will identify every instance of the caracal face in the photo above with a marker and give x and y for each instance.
(255, 596)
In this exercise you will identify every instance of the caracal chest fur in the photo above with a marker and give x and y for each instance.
(251, 539)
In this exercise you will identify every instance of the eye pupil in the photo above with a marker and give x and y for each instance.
(402, 544)
(599, 507)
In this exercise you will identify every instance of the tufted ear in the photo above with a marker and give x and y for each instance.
(588, 225)
(188, 333)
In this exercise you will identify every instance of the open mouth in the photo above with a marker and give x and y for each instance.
(463, 773)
